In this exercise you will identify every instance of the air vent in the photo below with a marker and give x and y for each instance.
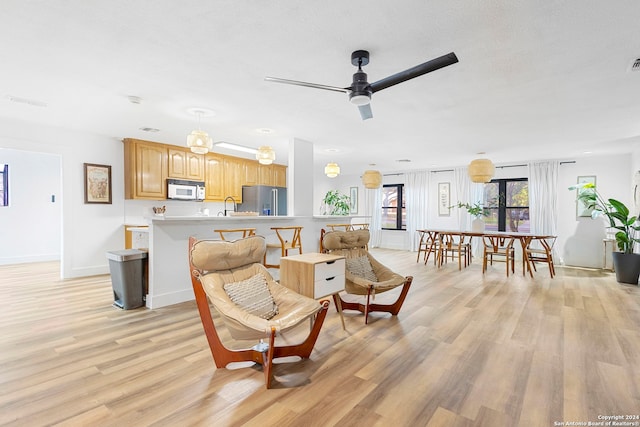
(635, 65)
(150, 129)
(32, 102)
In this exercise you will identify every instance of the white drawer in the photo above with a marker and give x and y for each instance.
(325, 270)
(328, 285)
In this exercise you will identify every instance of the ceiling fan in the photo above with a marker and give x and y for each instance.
(361, 90)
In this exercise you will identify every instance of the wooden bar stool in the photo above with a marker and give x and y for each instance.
(289, 238)
(246, 232)
(340, 227)
(361, 226)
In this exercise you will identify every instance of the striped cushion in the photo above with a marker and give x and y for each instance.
(361, 267)
(253, 296)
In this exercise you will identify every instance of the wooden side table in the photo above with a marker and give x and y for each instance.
(314, 275)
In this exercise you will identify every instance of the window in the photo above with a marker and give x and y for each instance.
(507, 201)
(392, 202)
(4, 185)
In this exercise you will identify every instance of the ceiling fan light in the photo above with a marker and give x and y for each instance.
(199, 142)
(360, 99)
(481, 170)
(265, 155)
(332, 170)
(372, 179)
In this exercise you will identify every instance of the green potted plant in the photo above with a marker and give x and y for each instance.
(335, 203)
(476, 210)
(625, 262)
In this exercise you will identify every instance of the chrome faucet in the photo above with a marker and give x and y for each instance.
(235, 205)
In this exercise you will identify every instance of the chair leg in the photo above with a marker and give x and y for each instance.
(393, 308)
(267, 359)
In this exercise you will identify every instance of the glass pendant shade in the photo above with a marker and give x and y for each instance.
(481, 170)
(332, 170)
(372, 179)
(199, 142)
(265, 155)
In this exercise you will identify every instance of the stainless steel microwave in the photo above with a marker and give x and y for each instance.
(185, 190)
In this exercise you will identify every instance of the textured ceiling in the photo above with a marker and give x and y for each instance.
(535, 79)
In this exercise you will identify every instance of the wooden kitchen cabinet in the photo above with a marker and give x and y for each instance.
(147, 165)
(274, 175)
(279, 175)
(251, 172)
(214, 177)
(184, 164)
(145, 170)
(233, 177)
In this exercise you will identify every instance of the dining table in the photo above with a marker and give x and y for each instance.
(432, 240)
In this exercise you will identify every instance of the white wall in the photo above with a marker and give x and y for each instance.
(88, 230)
(31, 226)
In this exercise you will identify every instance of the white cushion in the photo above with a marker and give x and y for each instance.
(361, 267)
(253, 296)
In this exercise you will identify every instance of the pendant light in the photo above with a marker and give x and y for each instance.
(372, 179)
(199, 141)
(265, 155)
(332, 170)
(481, 170)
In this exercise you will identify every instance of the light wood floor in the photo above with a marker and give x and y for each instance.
(466, 350)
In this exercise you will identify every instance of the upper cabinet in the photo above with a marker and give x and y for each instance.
(234, 173)
(214, 177)
(275, 175)
(145, 170)
(183, 164)
(279, 175)
(147, 165)
(251, 172)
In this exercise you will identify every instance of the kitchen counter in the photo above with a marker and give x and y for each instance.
(169, 277)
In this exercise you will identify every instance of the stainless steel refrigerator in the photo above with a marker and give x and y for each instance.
(264, 199)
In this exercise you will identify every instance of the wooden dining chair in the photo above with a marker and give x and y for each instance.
(289, 238)
(540, 249)
(429, 244)
(455, 245)
(499, 248)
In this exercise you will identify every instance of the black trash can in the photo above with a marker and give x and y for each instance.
(127, 269)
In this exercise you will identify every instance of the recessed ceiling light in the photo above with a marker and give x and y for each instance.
(332, 150)
(264, 130)
(150, 129)
(586, 152)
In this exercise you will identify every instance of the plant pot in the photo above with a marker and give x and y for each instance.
(477, 225)
(627, 267)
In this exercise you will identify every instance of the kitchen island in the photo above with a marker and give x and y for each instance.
(169, 277)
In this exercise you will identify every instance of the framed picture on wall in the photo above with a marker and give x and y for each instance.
(353, 200)
(97, 183)
(581, 209)
(444, 199)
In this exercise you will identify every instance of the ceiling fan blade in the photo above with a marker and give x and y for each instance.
(312, 85)
(365, 111)
(418, 70)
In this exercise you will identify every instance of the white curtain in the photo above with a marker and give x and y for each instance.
(543, 198)
(417, 204)
(373, 208)
(467, 192)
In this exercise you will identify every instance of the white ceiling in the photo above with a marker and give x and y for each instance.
(535, 80)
